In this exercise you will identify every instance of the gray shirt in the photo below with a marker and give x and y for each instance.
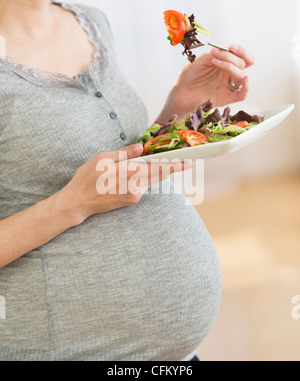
(138, 283)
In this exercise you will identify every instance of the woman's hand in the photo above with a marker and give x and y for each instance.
(108, 182)
(210, 78)
(104, 183)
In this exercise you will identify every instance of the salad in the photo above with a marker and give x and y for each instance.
(204, 126)
(184, 30)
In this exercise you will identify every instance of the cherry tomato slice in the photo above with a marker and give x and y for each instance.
(176, 26)
(194, 138)
(153, 142)
(241, 124)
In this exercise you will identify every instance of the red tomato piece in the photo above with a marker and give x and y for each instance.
(176, 26)
(194, 138)
(153, 142)
(241, 124)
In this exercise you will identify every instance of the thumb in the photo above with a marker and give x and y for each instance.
(127, 153)
(130, 152)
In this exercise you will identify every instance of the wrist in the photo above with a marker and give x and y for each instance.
(181, 101)
(62, 208)
(176, 104)
(172, 107)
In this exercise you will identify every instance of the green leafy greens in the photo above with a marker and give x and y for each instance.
(215, 126)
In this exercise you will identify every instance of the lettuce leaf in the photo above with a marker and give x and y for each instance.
(176, 143)
(242, 115)
(215, 138)
(216, 126)
(147, 135)
(234, 130)
(163, 130)
(251, 125)
(201, 29)
(178, 126)
(230, 130)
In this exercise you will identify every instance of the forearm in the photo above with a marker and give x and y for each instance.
(169, 109)
(33, 227)
(179, 104)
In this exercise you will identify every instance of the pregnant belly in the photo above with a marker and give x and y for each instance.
(132, 286)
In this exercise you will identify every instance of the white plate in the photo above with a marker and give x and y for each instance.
(273, 118)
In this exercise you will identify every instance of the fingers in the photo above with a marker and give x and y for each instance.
(163, 171)
(132, 178)
(239, 56)
(243, 54)
(234, 63)
(148, 174)
(236, 74)
(228, 57)
(245, 89)
(156, 170)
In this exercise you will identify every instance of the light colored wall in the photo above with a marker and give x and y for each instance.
(265, 27)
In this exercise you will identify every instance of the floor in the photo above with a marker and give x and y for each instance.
(256, 232)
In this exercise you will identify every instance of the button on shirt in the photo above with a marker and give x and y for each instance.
(113, 115)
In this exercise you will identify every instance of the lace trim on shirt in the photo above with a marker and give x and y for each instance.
(99, 59)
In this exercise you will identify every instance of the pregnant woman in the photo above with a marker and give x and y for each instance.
(88, 276)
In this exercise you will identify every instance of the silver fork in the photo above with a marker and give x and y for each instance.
(209, 44)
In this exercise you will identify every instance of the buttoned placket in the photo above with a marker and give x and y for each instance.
(89, 82)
